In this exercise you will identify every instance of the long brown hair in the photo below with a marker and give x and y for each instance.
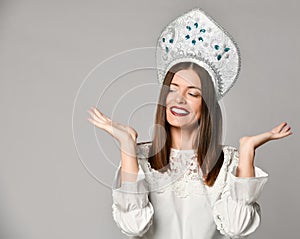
(209, 136)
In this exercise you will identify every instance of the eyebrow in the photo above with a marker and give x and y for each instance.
(190, 87)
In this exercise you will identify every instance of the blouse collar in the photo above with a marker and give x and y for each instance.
(183, 150)
(185, 153)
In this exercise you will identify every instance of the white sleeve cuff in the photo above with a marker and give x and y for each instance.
(127, 185)
(130, 195)
(247, 190)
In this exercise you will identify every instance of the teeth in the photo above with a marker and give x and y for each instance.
(179, 111)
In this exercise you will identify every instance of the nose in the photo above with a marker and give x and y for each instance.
(180, 98)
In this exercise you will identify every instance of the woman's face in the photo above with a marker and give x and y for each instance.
(183, 102)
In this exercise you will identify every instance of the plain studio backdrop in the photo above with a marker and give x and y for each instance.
(58, 58)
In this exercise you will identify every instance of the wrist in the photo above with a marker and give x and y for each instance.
(246, 155)
(128, 144)
(245, 170)
(247, 144)
(127, 139)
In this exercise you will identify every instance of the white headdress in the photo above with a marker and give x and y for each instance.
(196, 37)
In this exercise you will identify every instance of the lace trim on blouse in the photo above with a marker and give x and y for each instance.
(184, 176)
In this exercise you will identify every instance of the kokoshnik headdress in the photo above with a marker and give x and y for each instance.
(196, 37)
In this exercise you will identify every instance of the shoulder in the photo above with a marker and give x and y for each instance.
(231, 155)
(142, 152)
(142, 149)
(229, 148)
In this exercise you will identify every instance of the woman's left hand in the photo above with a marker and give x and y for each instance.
(248, 144)
(280, 131)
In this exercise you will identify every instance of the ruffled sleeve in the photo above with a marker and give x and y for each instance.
(132, 210)
(236, 212)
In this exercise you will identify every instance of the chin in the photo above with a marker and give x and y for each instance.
(182, 124)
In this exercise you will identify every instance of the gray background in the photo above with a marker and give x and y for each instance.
(47, 48)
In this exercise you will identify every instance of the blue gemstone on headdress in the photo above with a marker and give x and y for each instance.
(219, 57)
(167, 49)
(202, 30)
(188, 27)
(194, 41)
(163, 39)
(171, 40)
(196, 24)
(187, 37)
(200, 38)
(226, 49)
(216, 47)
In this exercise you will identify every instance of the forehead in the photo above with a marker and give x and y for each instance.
(186, 78)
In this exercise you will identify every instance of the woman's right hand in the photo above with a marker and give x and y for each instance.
(121, 132)
(127, 138)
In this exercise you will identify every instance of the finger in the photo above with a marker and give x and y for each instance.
(283, 123)
(107, 127)
(283, 134)
(287, 128)
(281, 126)
(93, 115)
(100, 122)
(94, 122)
(97, 112)
(277, 128)
(100, 114)
(287, 133)
(97, 123)
(90, 111)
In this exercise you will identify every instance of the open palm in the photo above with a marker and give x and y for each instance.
(280, 131)
(117, 130)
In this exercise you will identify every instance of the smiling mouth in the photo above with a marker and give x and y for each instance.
(178, 112)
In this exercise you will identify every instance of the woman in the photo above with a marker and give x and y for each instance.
(185, 184)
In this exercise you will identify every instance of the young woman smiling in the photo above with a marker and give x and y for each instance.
(184, 183)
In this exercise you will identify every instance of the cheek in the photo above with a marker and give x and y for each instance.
(167, 105)
(168, 100)
(197, 107)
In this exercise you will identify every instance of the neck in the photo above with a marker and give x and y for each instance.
(183, 138)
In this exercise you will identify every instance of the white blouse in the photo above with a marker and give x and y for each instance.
(177, 204)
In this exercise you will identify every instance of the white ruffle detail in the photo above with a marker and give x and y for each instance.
(236, 219)
(134, 222)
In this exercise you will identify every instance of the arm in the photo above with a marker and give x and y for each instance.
(132, 209)
(236, 213)
(129, 163)
(248, 145)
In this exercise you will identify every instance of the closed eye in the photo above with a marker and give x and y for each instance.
(194, 95)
